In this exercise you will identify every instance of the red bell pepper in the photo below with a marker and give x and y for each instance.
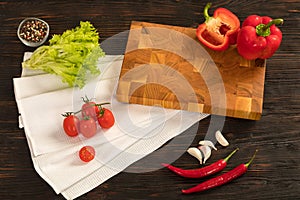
(259, 37)
(219, 31)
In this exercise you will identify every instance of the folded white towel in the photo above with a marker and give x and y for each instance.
(138, 131)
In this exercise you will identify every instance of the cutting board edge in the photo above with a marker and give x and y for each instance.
(241, 114)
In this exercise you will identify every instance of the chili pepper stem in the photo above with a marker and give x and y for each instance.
(205, 12)
(250, 161)
(230, 155)
(264, 29)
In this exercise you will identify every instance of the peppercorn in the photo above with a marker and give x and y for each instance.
(33, 30)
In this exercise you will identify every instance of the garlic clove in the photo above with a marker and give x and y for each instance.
(206, 150)
(221, 139)
(208, 143)
(193, 151)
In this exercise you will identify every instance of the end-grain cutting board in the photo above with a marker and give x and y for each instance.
(167, 66)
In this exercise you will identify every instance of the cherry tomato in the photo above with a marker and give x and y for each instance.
(88, 109)
(71, 125)
(106, 118)
(88, 127)
(87, 153)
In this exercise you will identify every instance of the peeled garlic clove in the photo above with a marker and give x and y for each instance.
(193, 151)
(208, 143)
(221, 139)
(206, 150)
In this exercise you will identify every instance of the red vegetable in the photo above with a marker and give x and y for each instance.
(89, 108)
(201, 172)
(71, 124)
(259, 37)
(219, 31)
(105, 118)
(222, 179)
(88, 127)
(87, 153)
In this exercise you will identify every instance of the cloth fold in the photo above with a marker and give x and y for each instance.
(139, 130)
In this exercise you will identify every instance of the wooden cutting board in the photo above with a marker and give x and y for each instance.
(167, 66)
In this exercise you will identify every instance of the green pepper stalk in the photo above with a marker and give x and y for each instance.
(264, 29)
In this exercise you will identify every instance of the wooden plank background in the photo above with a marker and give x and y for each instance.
(275, 171)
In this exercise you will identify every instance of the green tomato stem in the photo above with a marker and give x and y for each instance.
(86, 99)
(66, 114)
(99, 105)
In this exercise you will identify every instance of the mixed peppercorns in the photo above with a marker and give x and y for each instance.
(33, 30)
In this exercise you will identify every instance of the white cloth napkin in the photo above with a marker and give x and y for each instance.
(139, 130)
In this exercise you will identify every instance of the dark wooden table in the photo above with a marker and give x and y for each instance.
(273, 175)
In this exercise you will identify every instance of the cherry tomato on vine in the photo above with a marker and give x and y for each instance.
(87, 153)
(71, 125)
(88, 109)
(88, 127)
(105, 118)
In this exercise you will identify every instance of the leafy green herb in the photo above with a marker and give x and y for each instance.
(71, 55)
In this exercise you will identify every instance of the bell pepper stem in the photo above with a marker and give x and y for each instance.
(205, 12)
(274, 21)
(264, 29)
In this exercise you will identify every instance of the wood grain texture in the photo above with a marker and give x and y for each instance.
(167, 66)
(273, 175)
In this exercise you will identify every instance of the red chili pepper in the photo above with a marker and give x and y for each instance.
(201, 172)
(219, 31)
(222, 179)
(259, 37)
